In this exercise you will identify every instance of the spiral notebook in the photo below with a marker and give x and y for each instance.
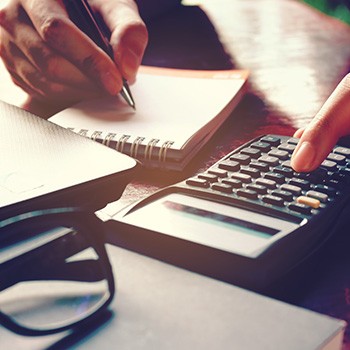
(177, 112)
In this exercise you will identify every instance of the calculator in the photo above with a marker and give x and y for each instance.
(249, 219)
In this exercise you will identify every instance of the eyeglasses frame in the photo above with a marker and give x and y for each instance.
(67, 217)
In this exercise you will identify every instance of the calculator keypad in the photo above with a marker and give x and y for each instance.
(260, 173)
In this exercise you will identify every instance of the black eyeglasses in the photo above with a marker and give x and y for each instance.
(54, 271)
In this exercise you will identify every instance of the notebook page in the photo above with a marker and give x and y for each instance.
(170, 105)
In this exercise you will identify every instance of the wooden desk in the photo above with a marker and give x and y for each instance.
(296, 56)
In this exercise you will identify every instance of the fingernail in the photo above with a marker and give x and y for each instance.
(304, 157)
(110, 83)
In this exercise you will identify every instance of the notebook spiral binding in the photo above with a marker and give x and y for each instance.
(135, 145)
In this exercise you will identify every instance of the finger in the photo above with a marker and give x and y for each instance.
(57, 31)
(51, 65)
(299, 133)
(9, 65)
(129, 34)
(55, 67)
(3, 49)
(21, 70)
(320, 136)
(33, 82)
(59, 94)
(22, 84)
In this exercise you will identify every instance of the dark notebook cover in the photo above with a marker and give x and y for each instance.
(43, 165)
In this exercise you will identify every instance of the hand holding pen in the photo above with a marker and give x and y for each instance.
(52, 60)
(84, 17)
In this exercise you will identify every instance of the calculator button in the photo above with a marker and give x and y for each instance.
(335, 183)
(250, 171)
(286, 195)
(338, 158)
(252, 152)
(258, 188)
(233, 183)
(301, 175)
(222, 187)
(260, 166)
(266, 182)
(241, 158)
(338, 177)
(302, 183)
(345, 171)
(245, 178)
(329, 165)
(279, 178)
(270, 160)
(318, 175)
(287, 164)
(246, 193)
(300, 208)
(208, 177)
(343, 151)
(287, 147)
(293, 140)
(272, 140)
(280, 154)
(197, 182)
(218, 172)
(273, 200)
(229, 165)
(262, 146)
(325, 189)
(322, 197)
(288, 172)
(296, 190)
(312, 202)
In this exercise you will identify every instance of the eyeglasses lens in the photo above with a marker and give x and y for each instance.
(51, 280)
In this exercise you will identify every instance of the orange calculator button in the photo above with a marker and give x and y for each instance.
(312, 202)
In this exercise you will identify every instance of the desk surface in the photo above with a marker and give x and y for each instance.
(159, 306)
(296, 56)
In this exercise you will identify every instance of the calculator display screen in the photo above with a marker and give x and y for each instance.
(210, 223)
(238, 224)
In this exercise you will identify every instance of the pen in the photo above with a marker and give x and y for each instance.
(82, 15)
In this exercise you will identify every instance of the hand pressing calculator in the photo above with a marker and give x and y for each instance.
(249, 219)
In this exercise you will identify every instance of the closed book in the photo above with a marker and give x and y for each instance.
(44, 165)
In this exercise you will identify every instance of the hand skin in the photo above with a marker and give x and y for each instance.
(54, 62)
(320, 136)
